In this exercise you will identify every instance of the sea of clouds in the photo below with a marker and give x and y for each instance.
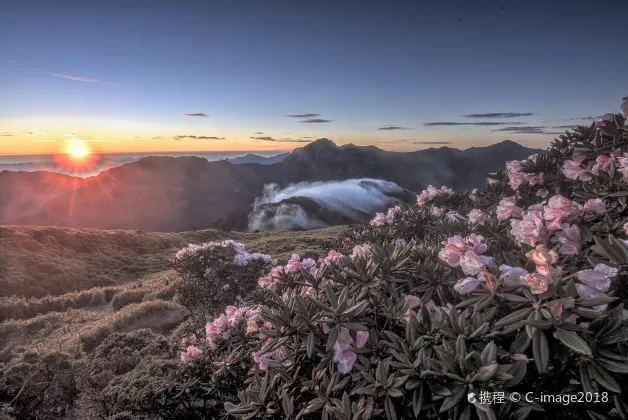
(352, 198)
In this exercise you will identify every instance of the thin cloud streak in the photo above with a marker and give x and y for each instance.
(281, 140)
(432, 142)
(302, 115)
(180, 137)
(393, 127)
(315, 121)
(452, 123)
(77, 78)
(197, 114)
(500, 115)
(523, 130)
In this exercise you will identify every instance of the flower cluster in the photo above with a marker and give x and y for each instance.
(241, 256)
(466, 253)
(430, 193)
(381, 218)
(294, 264)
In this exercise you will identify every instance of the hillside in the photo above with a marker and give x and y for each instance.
(192, 193)
(253, 158)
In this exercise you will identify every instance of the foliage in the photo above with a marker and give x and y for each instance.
(518, 287)
(38, 385)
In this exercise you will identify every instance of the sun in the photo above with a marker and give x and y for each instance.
(78, 149)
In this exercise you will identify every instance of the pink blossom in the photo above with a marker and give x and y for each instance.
(538, 283)
(602, 162)
(549, 271)
(528, 230)
(586, 292)
(466, 285)
(626, 228)
(542, 256)
(453, 216)
(361, 251)
(477, 216)
(333, 256)
(559, 209)
(380, 219)
(430, 193)
(262, 359)
(595, 206)
(492, 181)
(507, 208)
(600, 123)
(437, 211)
(390, 216)
(413, 301)
(598, 278)
(569, 237)
(513, 275)
(343, 348)
(623, 166)
(573, 169)
(190, 354)
(515, 174)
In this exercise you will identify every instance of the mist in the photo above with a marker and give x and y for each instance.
(352, 199)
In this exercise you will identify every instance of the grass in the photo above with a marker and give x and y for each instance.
(67, 289)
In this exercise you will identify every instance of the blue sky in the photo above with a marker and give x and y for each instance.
(137, 67)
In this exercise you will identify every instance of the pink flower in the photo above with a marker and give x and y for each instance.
(413, 301)
(600, 123)
(190, 354)
(586, 292)
(598, 278)
(361, 251)
(573, 169)
(513, 275)
(515, 174)
(623, 166)
(541, 256)
(437, 212)
(262, 359)
(530, 229)
(602, 163)
(538, 283)
(491, 181)
(430, 193)
(559, 209)
(477, 216)
(380, 219)
(230, 310)
(333, 256)
(595, 206)
(466, 285)
(343, 348)
(390, 216)
(569, 237)
(507, 208)
(626, 228)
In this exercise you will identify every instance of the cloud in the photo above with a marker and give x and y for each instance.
(523, 130)
(69, 135)
(315, 120)
(7, 135)
(599, 117)
(157, 138)
(567, 126)
(353, 198)
(500, 115)
(451, 123)
(393, 127)
(396, 141)
(179, 137)
(302, 115)
(258, 132)
(281, 140)
(198, 114)
(432, 142)
(77, 78)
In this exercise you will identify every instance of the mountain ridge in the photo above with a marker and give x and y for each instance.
(160, 193)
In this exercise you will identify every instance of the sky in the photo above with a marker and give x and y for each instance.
(161, 76)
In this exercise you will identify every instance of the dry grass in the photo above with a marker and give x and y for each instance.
(45, 261)
(73, 287)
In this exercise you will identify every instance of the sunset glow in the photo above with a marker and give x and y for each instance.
(78, 149)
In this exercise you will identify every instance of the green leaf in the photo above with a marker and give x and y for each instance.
(514, 317)
(613, 365)
(573, 341)
(604, 378)
(310, 345)
(540, 352)
(456, 396)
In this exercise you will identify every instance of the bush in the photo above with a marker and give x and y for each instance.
(214, 273)
(38, 385)
(514, 289)
(125, 298)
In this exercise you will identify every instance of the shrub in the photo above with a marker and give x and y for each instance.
(127, 297)
(120, 353)
(214, 273)
(517, 288)
(38, 385)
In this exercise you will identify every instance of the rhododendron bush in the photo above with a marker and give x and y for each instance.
(514, 289)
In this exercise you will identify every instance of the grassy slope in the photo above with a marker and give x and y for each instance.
(91, 278)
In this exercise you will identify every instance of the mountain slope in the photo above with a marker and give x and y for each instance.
(185, 193)
(253, 158)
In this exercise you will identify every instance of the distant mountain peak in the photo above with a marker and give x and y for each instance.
(322, 143)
